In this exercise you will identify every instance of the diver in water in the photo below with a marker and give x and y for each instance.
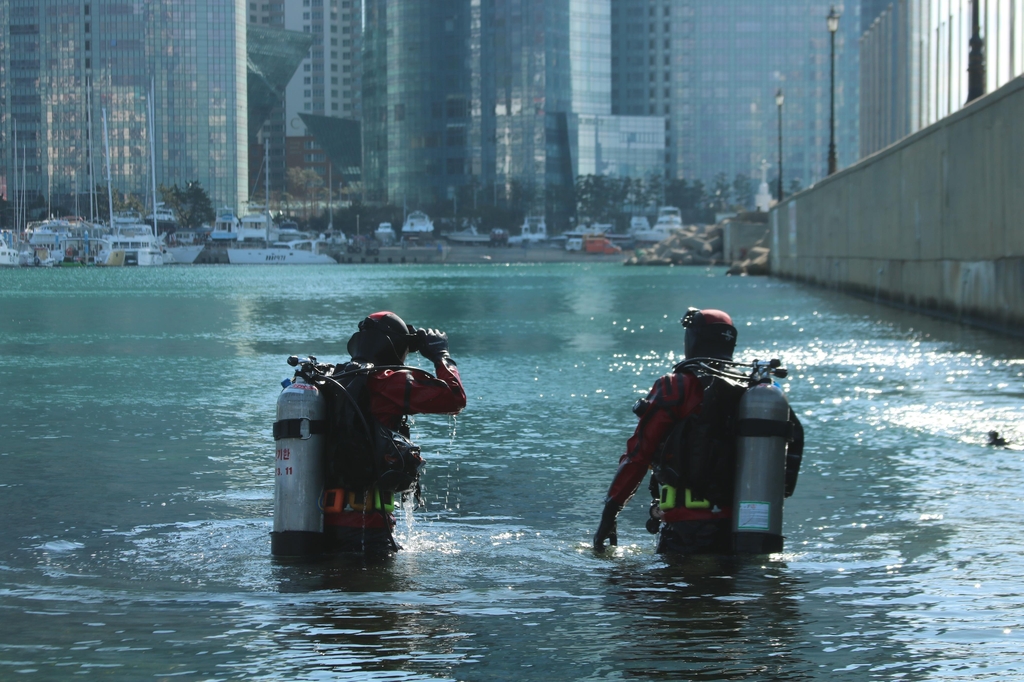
(365, 471)
(686, 434)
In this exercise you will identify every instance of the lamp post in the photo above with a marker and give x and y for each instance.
(976, 58)
(833, 26)
(778, 103)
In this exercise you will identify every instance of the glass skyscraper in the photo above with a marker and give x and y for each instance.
(712, 70)
(510, 98)
(65, 62)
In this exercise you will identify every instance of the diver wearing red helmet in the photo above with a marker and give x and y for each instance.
(389, 392)
(685, 433)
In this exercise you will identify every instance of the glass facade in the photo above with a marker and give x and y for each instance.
(421, 136)
(490, 95)
(590, 52)
(622, 146)
(274, 56)
(70, 60)
(712, 70)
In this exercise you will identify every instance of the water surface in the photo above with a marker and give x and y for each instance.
(136, 408)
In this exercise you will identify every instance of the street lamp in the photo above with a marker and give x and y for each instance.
(833, 26)
(778, 103)
(976, 59)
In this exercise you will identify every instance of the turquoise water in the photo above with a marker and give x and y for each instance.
(137, 480)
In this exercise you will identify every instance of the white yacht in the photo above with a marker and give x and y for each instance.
(417, 224)
(136, 240)
(165, 220)
(467, 236)
(225, 227)
(533, 231)
(258, 226)
(49, 233)
(669, 219)
(184, 254)
(37, 256)
(385, 234)
(8, 256)
(639, 223)
(299, 252)
(289, 231)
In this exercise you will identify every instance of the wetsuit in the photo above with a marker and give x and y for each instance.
(672, 398)
(394, 394)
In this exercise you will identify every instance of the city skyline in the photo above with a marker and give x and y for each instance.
(580, 101)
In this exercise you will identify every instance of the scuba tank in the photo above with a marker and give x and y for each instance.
(764, 429)
(299, 470)
(325, 439)
(762, 466)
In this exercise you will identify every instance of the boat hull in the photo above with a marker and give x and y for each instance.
(277, 257)
(185, 255)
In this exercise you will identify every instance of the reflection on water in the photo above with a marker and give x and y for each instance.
(136, 411)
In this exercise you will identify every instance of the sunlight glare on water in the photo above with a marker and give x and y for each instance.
(137, 406)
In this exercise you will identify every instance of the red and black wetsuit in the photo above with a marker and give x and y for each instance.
(673, 398)
(393, 394)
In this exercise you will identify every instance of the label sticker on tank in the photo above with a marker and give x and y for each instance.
(754, 515)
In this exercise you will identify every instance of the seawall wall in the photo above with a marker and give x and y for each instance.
(934, 222)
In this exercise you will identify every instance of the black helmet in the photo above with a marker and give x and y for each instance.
(383, 339)
(709, 334)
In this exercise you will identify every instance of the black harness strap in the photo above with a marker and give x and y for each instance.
(765, 427)
(292, 428)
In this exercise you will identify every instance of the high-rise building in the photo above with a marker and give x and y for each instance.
(274, 55)
(70, 61)
(326, 84)
(712, 69)
(504, 101)
(466, 94)
(603, 144)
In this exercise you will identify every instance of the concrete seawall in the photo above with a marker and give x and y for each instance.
(934, 222)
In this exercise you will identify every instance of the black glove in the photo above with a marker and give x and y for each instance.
(432, 344)
(607, 530)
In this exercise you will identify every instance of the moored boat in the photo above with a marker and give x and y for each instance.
(185, 254)
(166, 223)
(385, 234)
(136, 240)
(417, 224)
(298, 252)
(669, 219)
(533, 231)
(8, 256)
(225, 227)
(467, 236)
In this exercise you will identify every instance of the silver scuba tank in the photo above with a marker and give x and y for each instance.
(763, 426)
(299, 472)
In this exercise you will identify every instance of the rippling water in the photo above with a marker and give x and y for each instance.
(136, 487)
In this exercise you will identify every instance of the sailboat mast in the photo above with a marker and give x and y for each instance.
(152, 151)
(14, 208)
(24, 187)
(92, 172)
(266, 184)
(106, 149)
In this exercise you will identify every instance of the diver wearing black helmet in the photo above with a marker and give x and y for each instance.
(386, 392)
(685, 433)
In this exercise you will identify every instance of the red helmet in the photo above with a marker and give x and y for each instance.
(709, 334)
(383, 339)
